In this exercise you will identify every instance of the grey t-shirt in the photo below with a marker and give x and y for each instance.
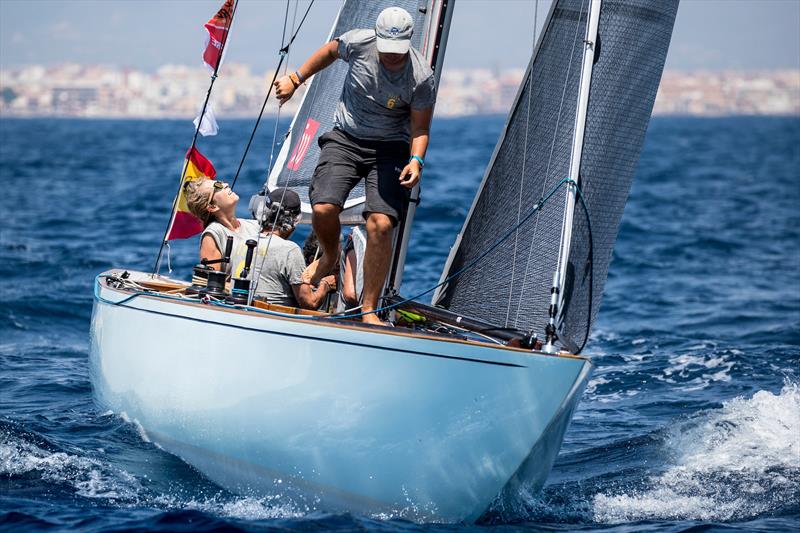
(376, 103)
(280, 266)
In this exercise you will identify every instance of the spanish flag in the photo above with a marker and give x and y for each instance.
(184, 223)
(218, 27)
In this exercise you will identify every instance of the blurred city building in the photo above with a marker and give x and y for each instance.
(176, 91)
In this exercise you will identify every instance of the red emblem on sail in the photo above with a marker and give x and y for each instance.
(301, 148)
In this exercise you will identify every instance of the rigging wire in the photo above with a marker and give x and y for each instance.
(157, 264)
(590, 261)
(283, 51)
(542, 201)
(256, 276)
(280, 107)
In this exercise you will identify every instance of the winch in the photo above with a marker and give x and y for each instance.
(214, 279)
(240, 292)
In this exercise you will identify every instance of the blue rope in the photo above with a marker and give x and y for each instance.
(457, 273)
(472, 263)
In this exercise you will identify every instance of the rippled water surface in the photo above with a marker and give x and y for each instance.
(691, 418)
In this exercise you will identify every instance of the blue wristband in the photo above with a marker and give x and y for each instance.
(419, 160)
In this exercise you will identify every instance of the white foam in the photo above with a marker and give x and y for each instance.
(95, 478)
(695, 372)
(244, 508)
(591, 387)
(259, 509)
(89, 477)
(733, 463)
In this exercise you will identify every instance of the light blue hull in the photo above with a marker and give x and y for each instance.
(330, 417)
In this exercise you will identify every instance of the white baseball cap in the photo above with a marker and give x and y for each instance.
(394, 29)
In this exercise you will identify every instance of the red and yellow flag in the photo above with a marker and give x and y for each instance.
(218, 28)
(184, 223)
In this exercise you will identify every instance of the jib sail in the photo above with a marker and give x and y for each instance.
(511, 287)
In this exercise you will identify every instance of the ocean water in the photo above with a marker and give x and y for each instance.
(691, 419)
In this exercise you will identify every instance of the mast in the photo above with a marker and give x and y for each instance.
(439, 27)
(559, 277)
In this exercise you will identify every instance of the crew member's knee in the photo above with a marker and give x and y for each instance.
(326, 211)
(379, 226)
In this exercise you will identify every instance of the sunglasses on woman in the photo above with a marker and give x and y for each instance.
(218, 186)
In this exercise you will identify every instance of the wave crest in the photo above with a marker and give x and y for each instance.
(734, 463)
(22, 456)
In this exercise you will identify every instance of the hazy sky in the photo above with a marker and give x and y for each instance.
(709, 34)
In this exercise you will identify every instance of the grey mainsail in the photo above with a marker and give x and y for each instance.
(511, 287)
(299, 153)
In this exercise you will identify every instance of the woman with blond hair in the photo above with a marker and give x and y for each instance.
(279, 261)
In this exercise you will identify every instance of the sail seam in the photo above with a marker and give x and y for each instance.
(550, 157)
(522, 174)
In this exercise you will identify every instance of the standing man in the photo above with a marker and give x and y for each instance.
(386, 104)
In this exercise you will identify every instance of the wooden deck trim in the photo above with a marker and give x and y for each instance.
(344, 324)
(286, 309)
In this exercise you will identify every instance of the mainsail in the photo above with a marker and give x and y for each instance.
(511, 287)
(299, 153)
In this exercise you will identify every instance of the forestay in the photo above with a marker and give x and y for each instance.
(511, 287)
(299, 153)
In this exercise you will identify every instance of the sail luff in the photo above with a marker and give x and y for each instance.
(440, 290)
(575, 162)
(635, 36)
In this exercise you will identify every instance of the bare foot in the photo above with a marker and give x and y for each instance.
(373, 320)
(317, 270)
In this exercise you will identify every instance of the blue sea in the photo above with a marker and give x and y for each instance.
(691, 420)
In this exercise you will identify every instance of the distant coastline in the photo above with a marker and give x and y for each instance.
(176, 92)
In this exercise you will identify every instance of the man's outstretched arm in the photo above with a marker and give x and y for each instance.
(322, 58)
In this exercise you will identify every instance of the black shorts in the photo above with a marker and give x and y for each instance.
(345, 160)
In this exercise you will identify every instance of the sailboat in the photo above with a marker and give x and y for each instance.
(468, 398)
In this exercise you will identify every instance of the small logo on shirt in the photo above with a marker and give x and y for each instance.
(392, 101)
